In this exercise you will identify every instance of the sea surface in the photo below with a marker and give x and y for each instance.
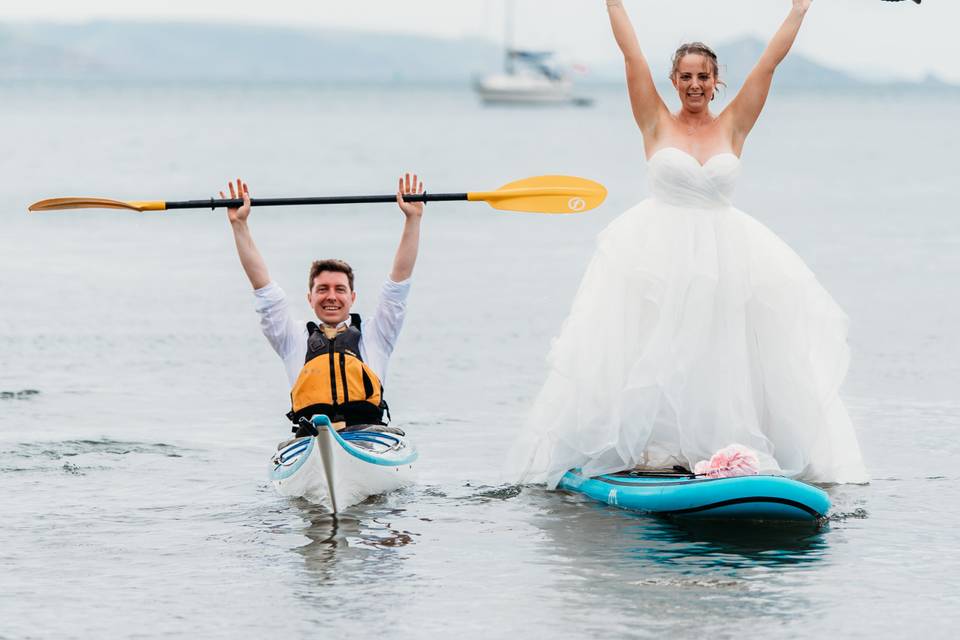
(139, 405)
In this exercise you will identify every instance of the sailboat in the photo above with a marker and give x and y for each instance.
(529, 77)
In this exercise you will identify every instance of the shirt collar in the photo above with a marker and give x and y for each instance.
(346, 323)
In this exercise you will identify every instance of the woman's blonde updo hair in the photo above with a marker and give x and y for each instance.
(700, 49)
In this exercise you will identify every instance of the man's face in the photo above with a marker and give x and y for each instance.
(331, 297)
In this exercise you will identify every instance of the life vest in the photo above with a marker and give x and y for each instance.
(335, 381)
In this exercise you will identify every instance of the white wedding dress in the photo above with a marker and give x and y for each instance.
(695, 327)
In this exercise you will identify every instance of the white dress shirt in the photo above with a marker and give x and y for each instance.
(288, 336)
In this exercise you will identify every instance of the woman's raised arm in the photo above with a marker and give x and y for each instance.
(646, 102)
(747, 105)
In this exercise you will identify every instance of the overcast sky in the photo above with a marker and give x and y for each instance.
(869, 36)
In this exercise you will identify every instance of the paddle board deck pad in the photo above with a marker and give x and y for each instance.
(340, 469)
(761, 497)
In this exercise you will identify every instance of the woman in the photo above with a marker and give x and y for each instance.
(694, 327)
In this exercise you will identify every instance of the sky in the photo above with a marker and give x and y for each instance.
(874, 38)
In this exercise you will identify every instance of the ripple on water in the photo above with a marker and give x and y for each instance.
(857, 514)
(486, 492)
(77, 456)
(23, 394)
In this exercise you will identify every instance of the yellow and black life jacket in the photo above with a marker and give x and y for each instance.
(335, 380)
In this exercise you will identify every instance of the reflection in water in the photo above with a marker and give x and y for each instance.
(665, 541)
(610, 553)
(741, 545)
(350, 538)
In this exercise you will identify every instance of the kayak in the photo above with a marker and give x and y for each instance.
(340, 469)
(759, 497)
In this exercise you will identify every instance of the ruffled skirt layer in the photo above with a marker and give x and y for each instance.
(693, 329)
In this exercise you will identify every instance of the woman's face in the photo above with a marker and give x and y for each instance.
(695, 82)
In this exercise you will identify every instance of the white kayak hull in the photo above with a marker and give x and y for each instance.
(340, 470)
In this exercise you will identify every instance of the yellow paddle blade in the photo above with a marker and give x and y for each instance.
(545, 194)
(55, 204)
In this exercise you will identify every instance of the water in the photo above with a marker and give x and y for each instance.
(139, 404)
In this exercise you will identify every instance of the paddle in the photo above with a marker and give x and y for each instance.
(541, 194)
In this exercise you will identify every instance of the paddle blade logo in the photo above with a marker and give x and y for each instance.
(577, 204)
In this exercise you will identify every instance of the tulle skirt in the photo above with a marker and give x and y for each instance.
(693, 329)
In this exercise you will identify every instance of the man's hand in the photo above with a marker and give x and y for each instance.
(250, 258)
(241, 214)
(408, 186)
(410, 238)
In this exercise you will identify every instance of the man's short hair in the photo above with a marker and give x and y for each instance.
(330, 264)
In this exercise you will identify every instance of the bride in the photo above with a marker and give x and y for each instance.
(694, 327)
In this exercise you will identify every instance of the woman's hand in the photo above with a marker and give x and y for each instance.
(802, 5)
(240, 214)
(410, 186)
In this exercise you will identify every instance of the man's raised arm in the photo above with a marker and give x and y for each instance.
(253, 263)
(406, 256)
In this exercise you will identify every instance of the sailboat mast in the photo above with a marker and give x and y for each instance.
(508, 36)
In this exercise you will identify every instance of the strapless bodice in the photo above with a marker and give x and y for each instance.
(677, 178)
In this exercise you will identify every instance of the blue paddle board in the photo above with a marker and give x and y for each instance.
(676, 494)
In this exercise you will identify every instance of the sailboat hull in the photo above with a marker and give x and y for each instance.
(523, 89)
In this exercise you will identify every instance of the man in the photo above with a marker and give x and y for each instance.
(336, 367)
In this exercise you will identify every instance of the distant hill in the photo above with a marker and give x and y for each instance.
(739, 57)
(24, 57)
(180, 51)
(196, 51)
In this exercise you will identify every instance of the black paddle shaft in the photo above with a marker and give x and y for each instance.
(213, 203)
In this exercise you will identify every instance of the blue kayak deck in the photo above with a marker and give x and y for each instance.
(744, 497)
